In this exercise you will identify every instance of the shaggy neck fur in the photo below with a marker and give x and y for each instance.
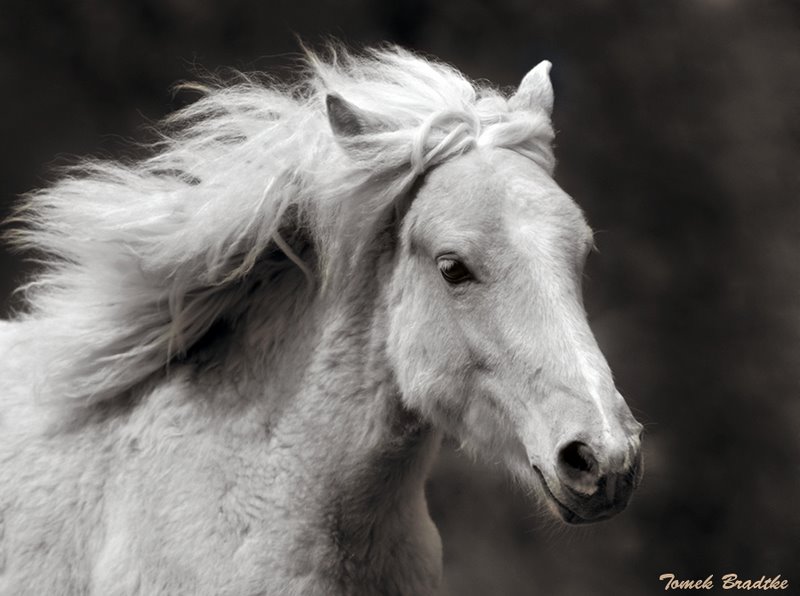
(365, 457)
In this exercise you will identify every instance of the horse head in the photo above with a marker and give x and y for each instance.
(488, 336)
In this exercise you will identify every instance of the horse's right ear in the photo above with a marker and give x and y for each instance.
(347, 120)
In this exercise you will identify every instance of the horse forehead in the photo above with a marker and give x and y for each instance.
(538, 214)
(484, 183)
(470, 180)
(462, 195)
(528, 189)
(490, 191)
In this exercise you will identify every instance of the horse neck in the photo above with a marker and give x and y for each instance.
(331, 394)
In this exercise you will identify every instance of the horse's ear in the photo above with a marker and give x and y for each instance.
(535, 91)
(347, 120)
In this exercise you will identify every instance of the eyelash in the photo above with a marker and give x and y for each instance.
(453, 271)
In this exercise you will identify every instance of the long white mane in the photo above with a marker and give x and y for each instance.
(142, 258)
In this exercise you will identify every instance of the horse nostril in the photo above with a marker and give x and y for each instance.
(578, 457)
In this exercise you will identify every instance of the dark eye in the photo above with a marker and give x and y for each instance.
(453, 271)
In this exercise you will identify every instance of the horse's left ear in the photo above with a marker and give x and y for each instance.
(535, 91)
(347, 120)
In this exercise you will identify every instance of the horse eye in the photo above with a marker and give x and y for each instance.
(454, 272)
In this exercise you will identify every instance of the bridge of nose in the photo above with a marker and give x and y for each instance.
(617, 445)
(610, 435)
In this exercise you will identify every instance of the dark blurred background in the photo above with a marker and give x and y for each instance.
(679, 134)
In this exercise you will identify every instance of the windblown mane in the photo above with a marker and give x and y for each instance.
(142, 258)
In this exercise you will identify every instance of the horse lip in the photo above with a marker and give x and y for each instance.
(567, 514)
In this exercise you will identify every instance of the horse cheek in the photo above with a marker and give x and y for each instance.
(426, 360)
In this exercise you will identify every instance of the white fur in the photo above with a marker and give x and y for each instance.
(236, 368)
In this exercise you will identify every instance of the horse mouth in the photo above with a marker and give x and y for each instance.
(564, 512)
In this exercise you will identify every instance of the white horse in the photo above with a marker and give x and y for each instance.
(240, 359)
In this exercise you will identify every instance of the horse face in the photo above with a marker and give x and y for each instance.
(489, 339)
